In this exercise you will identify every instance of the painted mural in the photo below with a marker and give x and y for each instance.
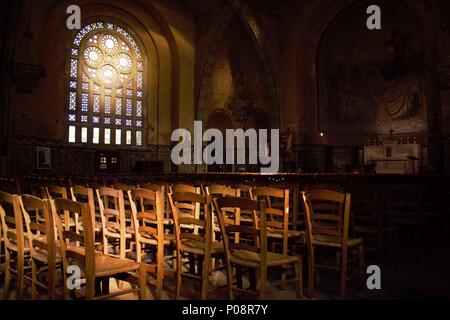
(237, 83)
(372, 81)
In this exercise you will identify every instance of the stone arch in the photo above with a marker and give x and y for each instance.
(249, 21)
(305, 36)
(159, 43)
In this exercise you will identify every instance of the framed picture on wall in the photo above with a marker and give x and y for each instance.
(43, 158)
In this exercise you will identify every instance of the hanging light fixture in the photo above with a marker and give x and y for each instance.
(26, 70)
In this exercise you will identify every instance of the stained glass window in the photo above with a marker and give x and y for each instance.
(106, 86)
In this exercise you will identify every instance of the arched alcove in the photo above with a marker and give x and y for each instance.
(220, 120)
(372, 81)
(238, 64)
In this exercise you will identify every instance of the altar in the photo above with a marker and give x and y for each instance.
(393, 158)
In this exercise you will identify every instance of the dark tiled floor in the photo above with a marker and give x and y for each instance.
(417, 278)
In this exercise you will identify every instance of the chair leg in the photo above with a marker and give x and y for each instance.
(98, 286)
(205, 277)
(159, 273)
(239, 274)
(262, 282)
(90, 287)
(33, 280)
(283, 277)
(7, 282)
(105, 285)
(299, 276)
(310, 273)
(179, 270)
(142, 282)
(230, 280)
(20, 277)
(361, 259)
(344, 273)
(51, 280)
(395, 251)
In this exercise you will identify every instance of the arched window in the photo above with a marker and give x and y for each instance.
(106, 102)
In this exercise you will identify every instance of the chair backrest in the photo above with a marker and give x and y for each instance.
(402, 200)
(244, 237)
(123, 186)
(245, 190)
(153, 187)
(189, 225)
(277, 210)
(217, 190)
(161, 187)
(55, 192)
(148, 214)
(182, 188)
(325, 186)
(366, 206)
(40, 226)
(112, 210)
(327, 214)
(12, 221)
(86, 195)
(77, 245)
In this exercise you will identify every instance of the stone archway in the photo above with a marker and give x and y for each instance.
(245, 15)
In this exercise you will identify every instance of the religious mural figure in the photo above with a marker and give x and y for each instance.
(372, 81)
(403, 81)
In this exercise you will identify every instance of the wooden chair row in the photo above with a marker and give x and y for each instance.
(144, 228)
(37, 242)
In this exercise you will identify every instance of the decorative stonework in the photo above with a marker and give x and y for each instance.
(245, 14)
(66, 159)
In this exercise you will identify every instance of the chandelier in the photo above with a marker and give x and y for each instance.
(26, 70)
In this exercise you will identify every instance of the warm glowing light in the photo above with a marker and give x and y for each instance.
(93, 56)
(107, 74)
(124, 62)
(109, 43)
(106, 71)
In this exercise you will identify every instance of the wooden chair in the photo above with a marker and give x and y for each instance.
(216, 191)
(153, 187)
(369, 221)
(277, 215)
(54, 192)
(194, 242)
(325, 186)
(433, 209)
(246, 217)
(86, 195)
(182, 188)
(2, 248)
(161, 187)
(252, 254)
(125, 188)
(328, 219)
(148, 214)
(78, 249)
(403, 207)
(114, 228)
(40, 235)
(17, 252)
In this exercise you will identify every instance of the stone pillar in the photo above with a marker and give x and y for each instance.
(444, 81)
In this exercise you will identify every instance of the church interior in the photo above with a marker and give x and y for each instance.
(348, 100)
